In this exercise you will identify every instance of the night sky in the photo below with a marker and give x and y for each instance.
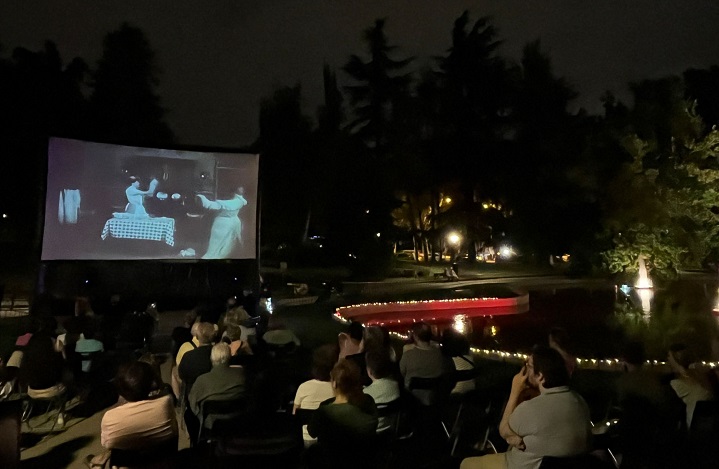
(220, 58)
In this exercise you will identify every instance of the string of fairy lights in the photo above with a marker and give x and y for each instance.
(416, 302)
(606, 364)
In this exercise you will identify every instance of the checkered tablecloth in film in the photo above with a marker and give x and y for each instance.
(155, 229)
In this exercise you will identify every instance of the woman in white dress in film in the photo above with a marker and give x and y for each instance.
(136, 197)
(226, 228)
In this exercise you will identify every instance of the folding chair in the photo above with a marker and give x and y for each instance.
(213, 411)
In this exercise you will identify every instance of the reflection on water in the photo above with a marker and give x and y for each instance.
(645, 296)
(600, 321)
(460, 323)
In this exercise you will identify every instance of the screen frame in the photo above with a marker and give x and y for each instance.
(220, 152)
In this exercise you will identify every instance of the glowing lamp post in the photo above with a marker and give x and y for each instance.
(454, 238)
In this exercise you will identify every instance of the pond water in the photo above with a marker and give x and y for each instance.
(599, 320)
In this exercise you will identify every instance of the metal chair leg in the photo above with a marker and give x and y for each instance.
(27, 407)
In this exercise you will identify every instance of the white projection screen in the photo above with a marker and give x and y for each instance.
(114, 202)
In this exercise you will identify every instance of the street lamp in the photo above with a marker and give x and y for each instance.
(454, 238)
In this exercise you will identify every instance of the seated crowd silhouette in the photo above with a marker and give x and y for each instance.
(247, 394)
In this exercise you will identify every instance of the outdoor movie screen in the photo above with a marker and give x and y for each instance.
(114, 202)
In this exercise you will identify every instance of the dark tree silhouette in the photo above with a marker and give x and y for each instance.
(659, 113)
(380, 89)
(470, 94)
(40, 97)
(285, 135)
(701, 86)
(547, 143)
(330, 114)
(125, 105)
(380, 82)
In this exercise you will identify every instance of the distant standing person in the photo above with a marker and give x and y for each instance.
(226, 228)
(136, 197)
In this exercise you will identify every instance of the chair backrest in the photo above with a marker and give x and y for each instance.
(251, 322)
(465, 375)
(583, 461)
(282, 350)
(10, 414)
(416, 383)
(272, 441)
(432, 390)
(220, 410)
(304, 416)
(389, 408)
(229, 406)
(92, 357)
(705, 418)
(389, 414)
(162, 456)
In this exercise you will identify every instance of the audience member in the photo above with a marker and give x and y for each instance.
(111, 321)
(691, 385)
(421, 361)
(30, 328)
(556, 423)
(278, 335)
(221, 383)
(139, 421)
(235, 315)
(350, 341)
(240, 317)
(43, 324)
(456, 347)
(42, 367)
(312, 393)
(639, 383)
(73, 328)
(345, 426)
(159, 387)
(648, 418)
(192, 344)
(182, 334)
(560, 341)
(88, 345)
(376, 339)
(238, 346)
(83, 308)
(136, 330)
(75, 325)
(383, 389)
(226, 317)
(249, 301)
(197, 362)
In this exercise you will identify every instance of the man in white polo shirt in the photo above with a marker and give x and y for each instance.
(555, 423)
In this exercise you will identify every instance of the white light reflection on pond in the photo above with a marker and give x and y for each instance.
(459, 323)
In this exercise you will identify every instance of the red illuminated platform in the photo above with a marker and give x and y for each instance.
(399, 312)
